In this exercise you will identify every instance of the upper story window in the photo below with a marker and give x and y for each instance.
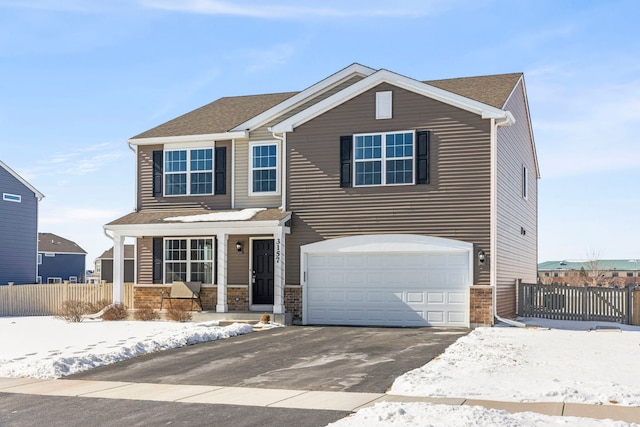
(263, 168)
(39, 259)
(384, 158)
(525, 183)
(188, 172)
(7, 197)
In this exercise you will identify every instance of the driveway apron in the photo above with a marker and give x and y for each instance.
(298, 357)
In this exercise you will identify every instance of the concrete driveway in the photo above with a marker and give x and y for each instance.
(297, 357)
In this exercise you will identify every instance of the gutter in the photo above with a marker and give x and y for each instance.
(283, 172)
(495, 124)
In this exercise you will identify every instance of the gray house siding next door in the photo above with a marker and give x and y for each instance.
(454, 204)
(18, 232)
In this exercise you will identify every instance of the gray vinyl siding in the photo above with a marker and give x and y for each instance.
(106, 272)
(455, 204)
(145, 185)
(516, 253)
(242, 180)
(18, 232)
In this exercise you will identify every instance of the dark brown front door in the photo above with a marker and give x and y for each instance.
(262, 275)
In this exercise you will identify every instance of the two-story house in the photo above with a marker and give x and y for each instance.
(104, 265)
(18, 228)
(369, 198)
(60, 260)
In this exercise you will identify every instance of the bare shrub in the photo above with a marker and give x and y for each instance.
(72, 311)
(115, 312)
(179, 313)
(146, 313)
(99, 305)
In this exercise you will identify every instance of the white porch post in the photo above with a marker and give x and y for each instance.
(118, 269)
(278, 271)
(221, 306)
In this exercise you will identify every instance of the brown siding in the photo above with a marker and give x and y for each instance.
(242, 198)
(145, 185)
(238, 262)
(455, 204)
(144, 247)
(516, 253)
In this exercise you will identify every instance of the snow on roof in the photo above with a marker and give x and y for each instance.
(243, 215)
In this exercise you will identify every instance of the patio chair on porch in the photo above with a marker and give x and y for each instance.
(183, 290)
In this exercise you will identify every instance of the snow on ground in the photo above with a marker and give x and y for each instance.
(557, 361)
(427, 415)
(578, 363)
(47, 347)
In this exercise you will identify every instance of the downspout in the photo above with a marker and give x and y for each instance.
(283, 173)
(135, 195)
(495, 124)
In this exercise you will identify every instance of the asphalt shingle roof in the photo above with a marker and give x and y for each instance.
(49, 242)
(604, 264)
(159, 216)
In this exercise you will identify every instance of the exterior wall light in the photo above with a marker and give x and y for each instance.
(481, 256)
(238, 246)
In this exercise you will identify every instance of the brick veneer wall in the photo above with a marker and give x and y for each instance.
(238, 298)
(293, 301)
(150, 296)
(481, 306)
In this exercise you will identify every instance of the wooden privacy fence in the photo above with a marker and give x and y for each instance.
(561, 302)
(46, 299)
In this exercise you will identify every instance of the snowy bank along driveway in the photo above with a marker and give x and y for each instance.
(581, 364)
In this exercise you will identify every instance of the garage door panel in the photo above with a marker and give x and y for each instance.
(413, 289)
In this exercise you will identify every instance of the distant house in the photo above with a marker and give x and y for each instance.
(59, 259)
(104, 265)
(620, 271)
(18, 228)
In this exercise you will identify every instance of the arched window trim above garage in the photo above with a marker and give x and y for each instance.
(388, 243)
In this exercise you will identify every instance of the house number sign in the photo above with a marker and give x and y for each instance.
(277, 251)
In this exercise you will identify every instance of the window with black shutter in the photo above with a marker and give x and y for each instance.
(158, 255)
(346, 159)
(220, 179)
(157, 173)
(422, 157)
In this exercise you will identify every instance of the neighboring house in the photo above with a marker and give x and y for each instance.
(608, 271)
(59, 260)
(18, 228)
(104, 265)
(369, 198)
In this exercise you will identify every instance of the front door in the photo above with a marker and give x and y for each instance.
(262, 273)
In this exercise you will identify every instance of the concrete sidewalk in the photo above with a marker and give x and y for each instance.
(282, 398)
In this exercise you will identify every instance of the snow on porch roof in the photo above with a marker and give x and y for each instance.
(199, 215)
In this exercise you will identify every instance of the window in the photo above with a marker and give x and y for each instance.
(52, 280)
(263, 160)
(615, 274)
(39, 259)
(384, 159)
(49, 254)
(73, 279)
(188, 260)
(629, 274)
(188, 172)
(525, 183)
(39, 280)
(11, 197)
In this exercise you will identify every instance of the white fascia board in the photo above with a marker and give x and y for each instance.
(196, 228)
(38, 194)
(189, 138)
(280, 108)
(385, 76)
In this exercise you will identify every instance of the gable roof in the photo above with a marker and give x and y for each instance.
(230, 114)
(384, 76)
(38, 194)
(129, 253)
(49, 242)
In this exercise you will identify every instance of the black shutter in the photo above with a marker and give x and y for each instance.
(157, 173)
(158, 250)
(346, 150)
(220, 171)
(422, 157)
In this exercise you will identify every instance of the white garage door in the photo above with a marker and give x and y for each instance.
(425, 285)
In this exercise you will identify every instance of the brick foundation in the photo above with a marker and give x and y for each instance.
(150, 296)
(238, 298)
(293, 301)
(481, 306)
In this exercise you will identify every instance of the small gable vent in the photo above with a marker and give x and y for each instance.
(384, 105)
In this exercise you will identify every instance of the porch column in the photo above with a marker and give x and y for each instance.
(222, 239)
(118, 269)
(278, 271)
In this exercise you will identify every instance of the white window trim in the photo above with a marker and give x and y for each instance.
(73, 279)
(383, 159)
(39, 280)
(188, 260)
(56, 280)
(39, 259)
(50, 254)
(188, 172)
(15, 198)
(278, 170)
(525, 182)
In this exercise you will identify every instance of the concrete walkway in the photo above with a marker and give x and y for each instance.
(282, 398)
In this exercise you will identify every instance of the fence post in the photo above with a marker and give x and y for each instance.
(636, 308)
(585, 303)
(11, 298)
(519, 297)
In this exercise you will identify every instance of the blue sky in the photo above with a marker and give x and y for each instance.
(80, 77)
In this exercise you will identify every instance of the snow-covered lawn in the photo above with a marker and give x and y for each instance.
(559, 361)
